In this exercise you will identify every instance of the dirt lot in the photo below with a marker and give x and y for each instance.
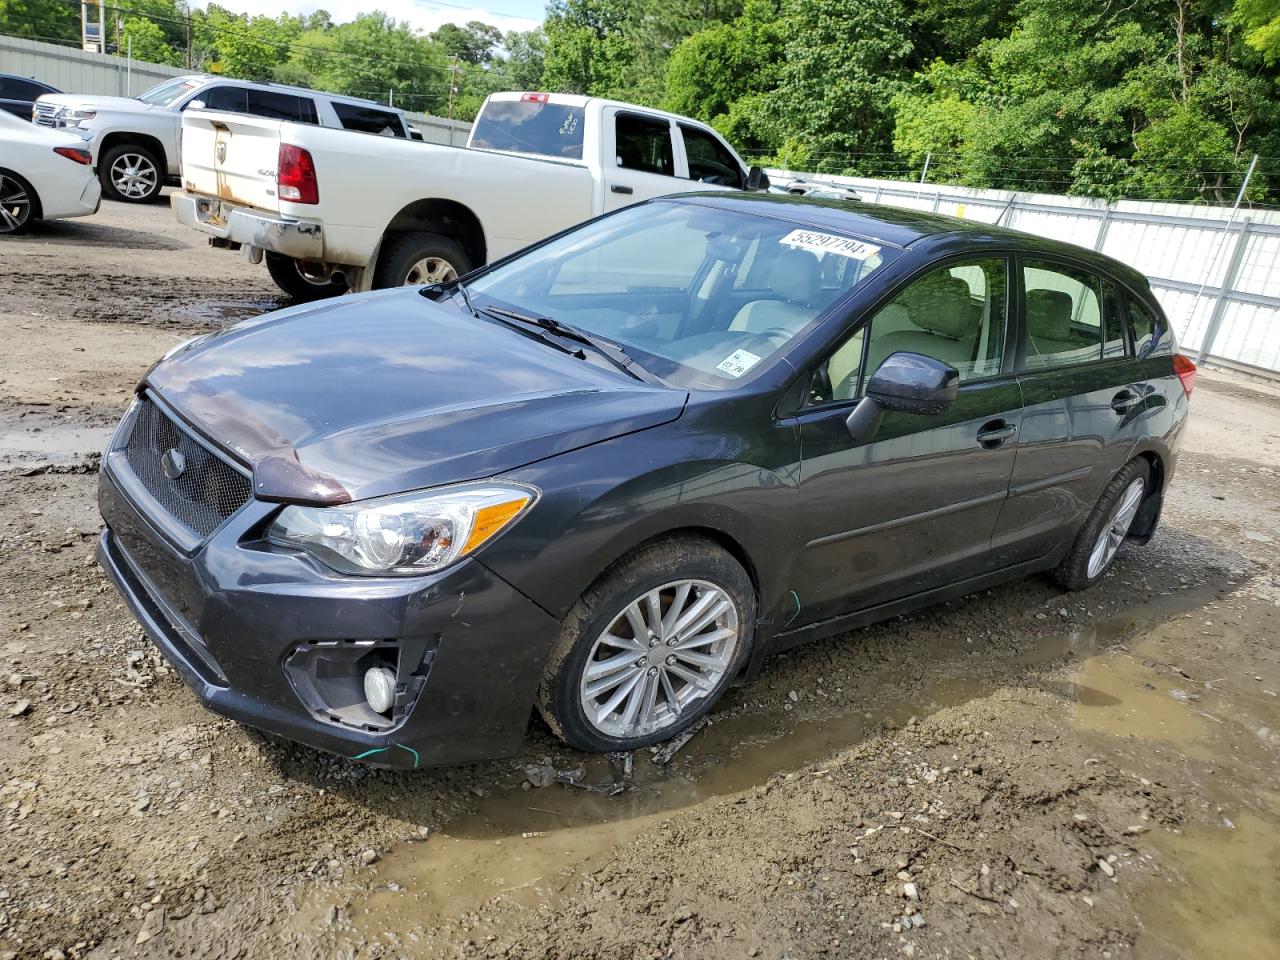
(1022, 773)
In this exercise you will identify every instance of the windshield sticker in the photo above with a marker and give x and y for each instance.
(737, 363)
(830, 243)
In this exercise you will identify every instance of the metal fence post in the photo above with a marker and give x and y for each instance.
(1105, 226)
(1228, 284)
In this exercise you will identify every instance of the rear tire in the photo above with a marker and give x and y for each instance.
(1099, 541)
(19, 205)
(417, 258)
(586, 671)
(290, 277)
(130, 173)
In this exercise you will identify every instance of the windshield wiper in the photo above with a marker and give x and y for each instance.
(607, 349)
(466, 298)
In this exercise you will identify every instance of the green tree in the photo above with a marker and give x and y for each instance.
(146, 41)
(1261, 22)
(473, 43)
(40, 19)
(587, 50)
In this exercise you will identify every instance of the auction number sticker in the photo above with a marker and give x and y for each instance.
(737, 363)
(830, 243)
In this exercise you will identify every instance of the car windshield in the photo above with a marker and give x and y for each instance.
(166, 93)
(700, 296)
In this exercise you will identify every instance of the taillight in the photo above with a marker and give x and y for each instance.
(1186, 371)
(296, 175)
(78, 154)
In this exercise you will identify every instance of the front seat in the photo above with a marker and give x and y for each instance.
(946, 320)
(1049, 324)
(794, 278)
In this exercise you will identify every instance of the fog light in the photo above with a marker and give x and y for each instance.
(380, 688)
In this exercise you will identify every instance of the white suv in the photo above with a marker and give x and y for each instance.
(134, 140)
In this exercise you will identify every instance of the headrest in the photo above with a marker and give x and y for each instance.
(1049, 314)
(794, 276)
(940, 303)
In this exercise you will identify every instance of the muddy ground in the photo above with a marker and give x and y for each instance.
(1022, 773)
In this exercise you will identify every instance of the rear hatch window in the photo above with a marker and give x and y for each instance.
(530, 126)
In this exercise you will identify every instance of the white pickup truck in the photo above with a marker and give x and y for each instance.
(332, 210)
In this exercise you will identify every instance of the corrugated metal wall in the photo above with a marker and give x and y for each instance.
(1216, 275)
(79, 71)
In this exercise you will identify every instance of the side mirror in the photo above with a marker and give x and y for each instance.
(757, 179)
(904, 383)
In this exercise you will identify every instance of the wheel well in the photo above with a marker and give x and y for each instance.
(37, 209)
(138, 140)
(1144, 524)
(718, 537)
(447, 217)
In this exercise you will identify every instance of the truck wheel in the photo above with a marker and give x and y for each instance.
(292, 277)
(130, 173)
(413, 259)
(650, 647)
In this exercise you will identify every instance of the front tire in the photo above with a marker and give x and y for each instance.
(649, 648)
(418, 258)
(1104, 532)
(130, 173)
(293, 278)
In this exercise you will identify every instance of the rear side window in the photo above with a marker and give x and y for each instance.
(709, 160)
(366, 119)
(530, 126)
(644, 143)
(1063, 316)
(281, 106)
(1113, 340)
(224, 98)
(1144, 327)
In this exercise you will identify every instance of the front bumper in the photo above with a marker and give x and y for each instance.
(230, 613)
(300, 239)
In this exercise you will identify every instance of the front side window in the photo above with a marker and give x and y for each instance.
(366, 119)
(644, 143)
(660, 280)
(709, 160)
(531, 126)
(955, 314)
(1064, 316)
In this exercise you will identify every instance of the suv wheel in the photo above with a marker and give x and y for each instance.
(293, 278)
(130, 173)
(1099, 541)
(414, 259)
(650, 648)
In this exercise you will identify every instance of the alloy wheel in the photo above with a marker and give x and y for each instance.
(430, 270)
(667, 649)
(15, 205)
(134, 175)
(1116, 528)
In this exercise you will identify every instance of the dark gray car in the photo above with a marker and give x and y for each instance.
(607, 476)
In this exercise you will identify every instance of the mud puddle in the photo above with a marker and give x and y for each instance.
(226, 310)
(36, 439)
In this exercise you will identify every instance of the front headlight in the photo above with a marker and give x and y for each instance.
(71, 118)
(407, 534)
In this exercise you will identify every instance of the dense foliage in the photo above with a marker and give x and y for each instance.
(1165, 99)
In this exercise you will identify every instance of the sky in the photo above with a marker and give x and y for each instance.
(420, 14)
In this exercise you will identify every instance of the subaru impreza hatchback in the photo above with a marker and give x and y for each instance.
(607, 476)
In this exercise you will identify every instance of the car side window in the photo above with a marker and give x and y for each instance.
(955, 314)
(709, 160)
(1064, 316)
(644, 143)
(224, 98)
(15, 88)
(1143, 326)
(281, 106)
(357, 116)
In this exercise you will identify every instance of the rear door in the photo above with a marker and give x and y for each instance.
(1084, 401)
(639, 159)
(915, 508)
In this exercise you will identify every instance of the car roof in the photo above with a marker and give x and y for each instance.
(285, 88)
(902, 227)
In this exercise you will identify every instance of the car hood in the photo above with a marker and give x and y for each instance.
(387, 392)
(88, 102)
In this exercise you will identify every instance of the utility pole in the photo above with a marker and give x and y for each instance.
(453, 71)
(188, 10)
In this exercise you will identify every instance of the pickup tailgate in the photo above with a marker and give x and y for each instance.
(231, 156)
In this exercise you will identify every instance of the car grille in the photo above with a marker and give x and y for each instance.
(208, 490)
(44, 114)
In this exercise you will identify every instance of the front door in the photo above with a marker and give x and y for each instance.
(915, 508)
(639, 158)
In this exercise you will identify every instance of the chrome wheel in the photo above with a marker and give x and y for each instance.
(15, 205)
(134, 175)
(667, 649)
(430, 270)
(1116, 528)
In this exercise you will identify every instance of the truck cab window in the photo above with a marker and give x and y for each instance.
(709, 160)
(644, 143)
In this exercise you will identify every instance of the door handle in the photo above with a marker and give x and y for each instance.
(1123, 400)
(619, 188)
(993, 434)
